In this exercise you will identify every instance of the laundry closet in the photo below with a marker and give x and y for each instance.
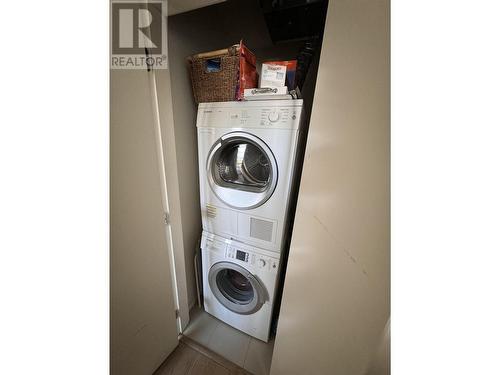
(213, 28)
(169, 265)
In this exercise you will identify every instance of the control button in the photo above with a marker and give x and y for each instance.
(273, 116)
(262, 263)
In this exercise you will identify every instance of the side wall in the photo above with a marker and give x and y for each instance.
(336, 294)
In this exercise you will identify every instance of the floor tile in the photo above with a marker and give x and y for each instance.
(258, 357)
(201, 326)
(206, 366)
(179, 362)
(229, 343)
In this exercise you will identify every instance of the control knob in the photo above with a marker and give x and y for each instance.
(262, 263)
(274, 116)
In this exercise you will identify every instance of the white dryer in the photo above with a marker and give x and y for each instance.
(246, 154)
(239, 284)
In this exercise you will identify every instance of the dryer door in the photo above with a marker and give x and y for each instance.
(242, 170)
(236, 288)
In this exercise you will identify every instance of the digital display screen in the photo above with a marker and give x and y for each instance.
(240, 255)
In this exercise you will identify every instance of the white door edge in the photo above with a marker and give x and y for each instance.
(169, 185)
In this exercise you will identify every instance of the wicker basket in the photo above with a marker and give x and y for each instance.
(221, 76)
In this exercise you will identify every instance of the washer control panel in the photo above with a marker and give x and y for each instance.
(257, 260)
(215, 244)
(238, 254)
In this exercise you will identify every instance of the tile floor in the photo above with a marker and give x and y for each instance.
(247, 352)
(186, 360)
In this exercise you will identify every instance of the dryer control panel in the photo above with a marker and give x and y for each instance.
(258, 114)
(266, 116)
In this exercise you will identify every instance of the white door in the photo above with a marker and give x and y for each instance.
(143, 322)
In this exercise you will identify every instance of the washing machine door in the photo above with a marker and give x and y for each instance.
(236, 288)
(241, 170)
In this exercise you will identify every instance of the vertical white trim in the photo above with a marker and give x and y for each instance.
(167, 151)
(164, 190)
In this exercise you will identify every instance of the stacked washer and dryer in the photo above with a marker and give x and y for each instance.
(247, 154)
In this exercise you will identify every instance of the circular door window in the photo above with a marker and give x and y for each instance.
(242, 171)
(236, 288)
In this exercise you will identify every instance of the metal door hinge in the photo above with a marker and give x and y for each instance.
(166, 218)
(177, 313)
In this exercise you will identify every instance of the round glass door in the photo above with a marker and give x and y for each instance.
(236, 288)
(242, 170)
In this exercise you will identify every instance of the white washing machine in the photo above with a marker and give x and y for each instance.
(239, 283)
(246, 154)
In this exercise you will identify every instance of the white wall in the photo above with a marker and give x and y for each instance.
(336, 295)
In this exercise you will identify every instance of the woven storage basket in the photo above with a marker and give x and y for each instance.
(226, 83)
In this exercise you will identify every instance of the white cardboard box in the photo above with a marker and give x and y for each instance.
(272, 75)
